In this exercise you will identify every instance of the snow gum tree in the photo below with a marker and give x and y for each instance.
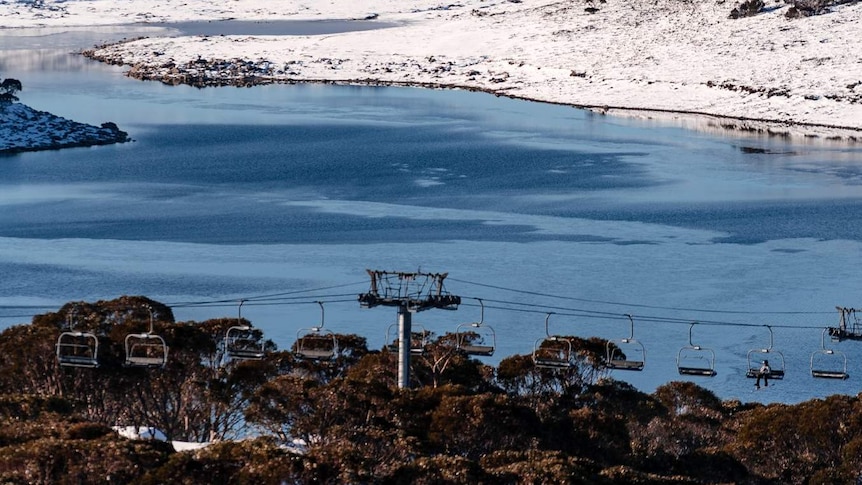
(8, 88)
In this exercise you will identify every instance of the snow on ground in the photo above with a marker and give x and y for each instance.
(140, 433)
(150, 433)
(658, 55)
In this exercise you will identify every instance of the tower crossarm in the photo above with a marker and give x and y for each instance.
(416, 291)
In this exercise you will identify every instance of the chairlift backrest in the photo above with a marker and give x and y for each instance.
(316, 343)
(626, 353)
(756, 357)
(146, 349)
(476, 338)
(418, 338)
(242, 342)
(694, 360)
(828, 363)
(77, 349)
(553, 351)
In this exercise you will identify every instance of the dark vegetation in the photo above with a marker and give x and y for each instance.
(462, 421)
(8, 88)
(798, 8)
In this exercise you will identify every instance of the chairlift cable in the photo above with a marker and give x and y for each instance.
(250, 302)
(570, 312)
(270, 295)
(579, 312)
(634, 305)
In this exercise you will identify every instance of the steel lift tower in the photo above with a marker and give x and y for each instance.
(410, 293)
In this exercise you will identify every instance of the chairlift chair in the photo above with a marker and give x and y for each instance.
(242, 342)
(694, 360)
(418, 338)
(775, 358)
(828, 363)
(77, 349)
(477, 338)
(553, 351)
(146, 349)
(621, 352)
(316, 343)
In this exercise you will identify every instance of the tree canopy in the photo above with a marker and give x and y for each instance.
(8, 88)
(286, 419)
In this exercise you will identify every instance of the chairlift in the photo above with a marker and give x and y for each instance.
(77, 349)
(146, 349)
(828, 363)
(242, 342)
(477, 338)
(418, 338)
(622, 353)
(316, 343)
(553, 351)
(694, 360)
(775, 358)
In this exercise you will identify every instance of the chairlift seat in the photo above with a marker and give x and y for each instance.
(698, 355)
(620, 364)
(476, 338)
(829, 374)
(77, 361)
(246, 353)
(241, 344)
(838, 372)
(145, 350)
(837, 369)
(418, 338)
(316, 354)
(484, 350)
(553, 353)
(317, 346)
(617, 357)
(776, 374)
(316, 343)
(551, 363)
(145, 362)
(697, 371)
(414, 349)
(77, 349)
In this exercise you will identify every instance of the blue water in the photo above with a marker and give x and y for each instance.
(292, 192)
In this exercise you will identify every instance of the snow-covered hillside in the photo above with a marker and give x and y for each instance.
(671, 58)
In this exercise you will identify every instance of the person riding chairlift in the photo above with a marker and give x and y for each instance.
(764, 372)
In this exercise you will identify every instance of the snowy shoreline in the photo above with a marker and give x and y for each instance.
(683, 62)
(24, 129)
(226, 74)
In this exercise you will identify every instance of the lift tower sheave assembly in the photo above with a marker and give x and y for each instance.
(410, 293)
(849, 327)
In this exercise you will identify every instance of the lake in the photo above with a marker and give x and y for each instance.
(285, 195)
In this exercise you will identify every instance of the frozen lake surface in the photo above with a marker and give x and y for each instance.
(285, 195)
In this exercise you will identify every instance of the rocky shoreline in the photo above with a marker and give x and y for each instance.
(25, 129)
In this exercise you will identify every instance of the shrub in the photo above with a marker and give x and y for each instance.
(807, 8)
(748, 8)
